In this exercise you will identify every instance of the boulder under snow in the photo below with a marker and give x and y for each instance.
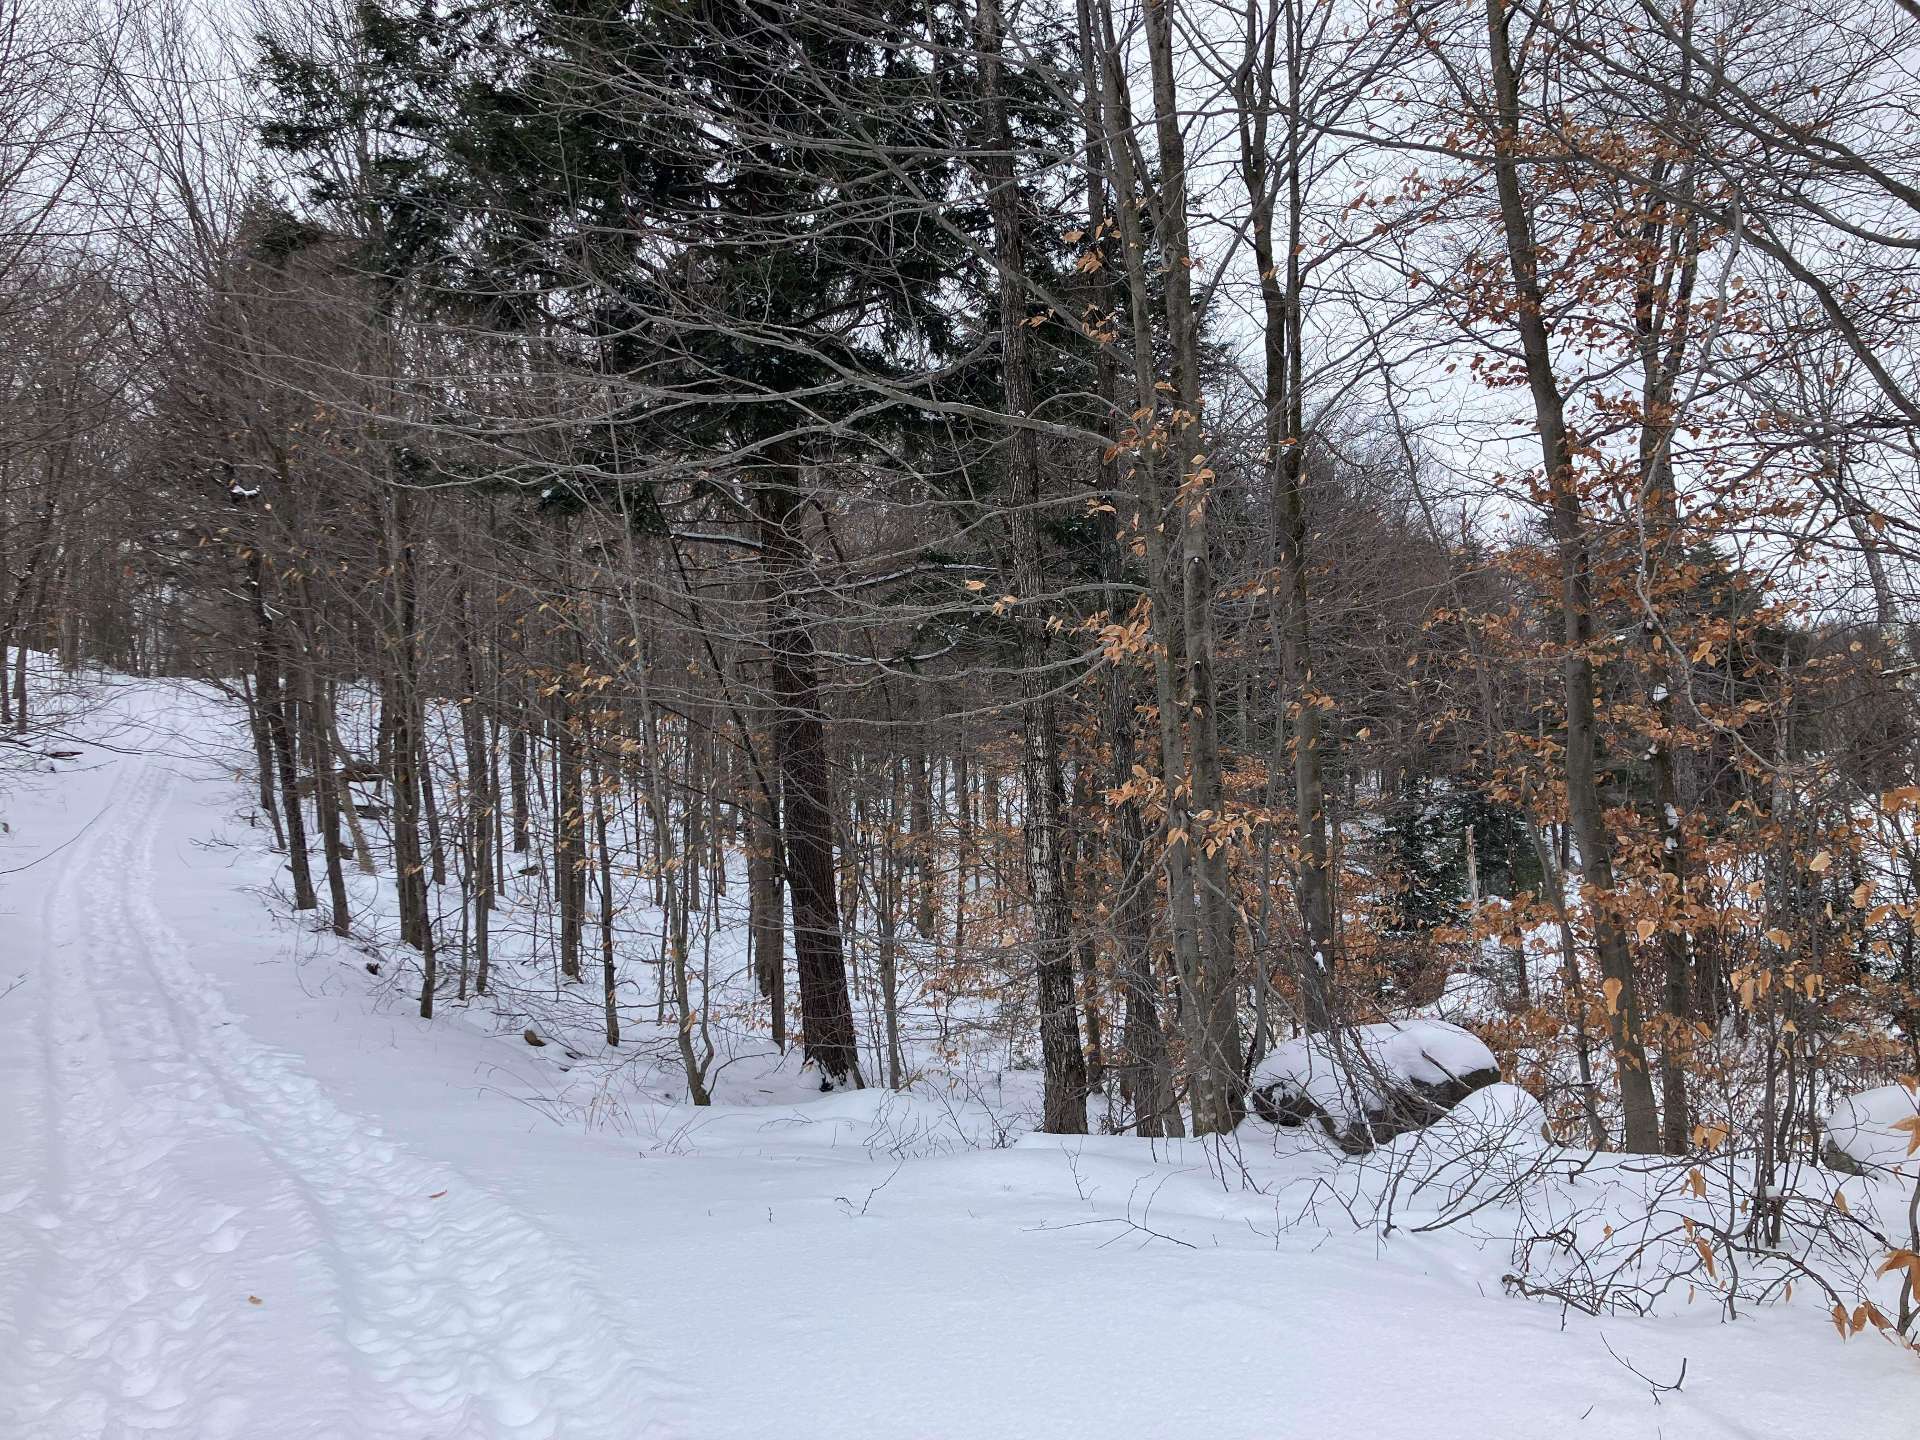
(1872, 1132)
(1365, 1084)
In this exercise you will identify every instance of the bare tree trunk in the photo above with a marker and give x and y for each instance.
(569, 860)
(272, 698)
(800, 753)
(517, 783)
(326, 786)
(482, 797)
(767, 903)
(1063, 1064)
(20, 613)
(889, 899)
(430, 806)
(1277, 248)
(598, 783)
(963, 845)
(695, 1060)
(1591, 833)
(1145, 1072)
(402, 724)
(362, 851)
(1216, 1099)
(921, 826)
(262, 757)
(1150, 455)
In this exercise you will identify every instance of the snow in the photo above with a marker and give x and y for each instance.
(245, 1191)
(1864, 1128)
(1507, 1114)
(1377, 1057)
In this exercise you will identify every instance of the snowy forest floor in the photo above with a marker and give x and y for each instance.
(245, 1191)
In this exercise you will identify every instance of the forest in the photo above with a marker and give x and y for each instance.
(1332, 585)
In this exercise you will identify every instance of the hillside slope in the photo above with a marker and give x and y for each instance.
(245, 1192)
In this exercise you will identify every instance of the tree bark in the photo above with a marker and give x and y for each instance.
(269, 687)
(481, 798)
(767, 901)
(800, 754)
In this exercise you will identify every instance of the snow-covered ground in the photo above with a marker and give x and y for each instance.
(244, 1191)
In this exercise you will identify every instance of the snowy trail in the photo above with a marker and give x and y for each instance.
(202, 1243)
(245, 1191)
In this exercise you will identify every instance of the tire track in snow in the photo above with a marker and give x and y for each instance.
(114, 1332)
(453, 1317)
(472, 1321)
(255, 1213)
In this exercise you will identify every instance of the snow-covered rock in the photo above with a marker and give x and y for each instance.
(1484, 1151)
(1498, 1115)
(1368, 1083)
(1871, 1132)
